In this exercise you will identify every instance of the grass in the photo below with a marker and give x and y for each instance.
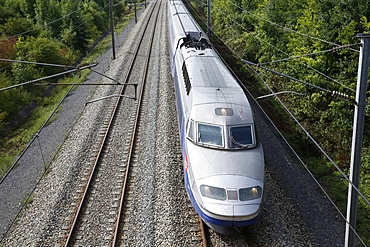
(17, 141)
(337, 188)
(26, 202)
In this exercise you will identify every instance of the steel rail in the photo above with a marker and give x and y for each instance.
(134, 131)
(202, 232)
(97, 158)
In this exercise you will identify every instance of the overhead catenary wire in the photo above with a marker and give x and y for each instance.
(286, 28)
(24, 204)
(73, 69)
(331, 92)
(325, 154)
(306, 167)
(335, 49)
(47, 77)
(49, 23)
(37, 63)
(288, 55)
(36, 135)
(47, 64)
(323, 151)
(296, 120)
(300, 125)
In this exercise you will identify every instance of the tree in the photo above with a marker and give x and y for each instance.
(74, 27)
(7, 51)
(11, 101)
(97, 17)
(48, 17)
(265, 31)
(16, 26)
(42, 50)
(5, 13)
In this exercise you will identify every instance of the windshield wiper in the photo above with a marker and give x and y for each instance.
(240, 144)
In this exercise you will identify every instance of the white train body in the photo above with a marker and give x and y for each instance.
(222, 157)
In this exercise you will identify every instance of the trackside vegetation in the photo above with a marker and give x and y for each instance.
(297, 38)
(50, 32)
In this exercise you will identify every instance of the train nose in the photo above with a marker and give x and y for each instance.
(233, 212)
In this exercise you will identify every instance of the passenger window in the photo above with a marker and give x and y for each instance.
(210, 134)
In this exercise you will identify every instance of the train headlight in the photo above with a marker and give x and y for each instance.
(213, 192)
(252, 193)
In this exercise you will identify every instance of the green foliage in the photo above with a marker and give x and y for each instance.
(93, 13)
(44, 31)
(261, 31)
(74, 29)
(27, 8)
(269, 32)
(18, 26)
(48, 17)
(365, 24)
(37, 49)
(12, 143)
(41, 50)
(3, 115)
(12, 101)
(6, 160)
(5, 14)
(119, 10)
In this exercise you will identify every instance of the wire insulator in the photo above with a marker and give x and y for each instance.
(339, 94)
(343, 96)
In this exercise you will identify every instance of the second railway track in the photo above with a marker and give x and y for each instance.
(98, 214)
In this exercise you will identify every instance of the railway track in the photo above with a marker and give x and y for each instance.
(97, 216)
(202, 232)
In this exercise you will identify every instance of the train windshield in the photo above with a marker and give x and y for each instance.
(210, 135)
(241, 136)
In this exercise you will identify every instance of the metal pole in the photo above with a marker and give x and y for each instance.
(209, 19)
(112, 27)
(358, 128)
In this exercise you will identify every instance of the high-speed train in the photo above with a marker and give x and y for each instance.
(223, 159)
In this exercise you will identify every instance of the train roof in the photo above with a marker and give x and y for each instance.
(182, 18)
(213, 86)
(209, 76)
(184, 25)
(210, 70)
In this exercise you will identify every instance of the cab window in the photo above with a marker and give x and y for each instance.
(241, 136)
(210, 134)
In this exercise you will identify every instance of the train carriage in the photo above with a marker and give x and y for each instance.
(222, 157)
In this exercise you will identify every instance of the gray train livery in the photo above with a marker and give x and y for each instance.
(223, 159)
